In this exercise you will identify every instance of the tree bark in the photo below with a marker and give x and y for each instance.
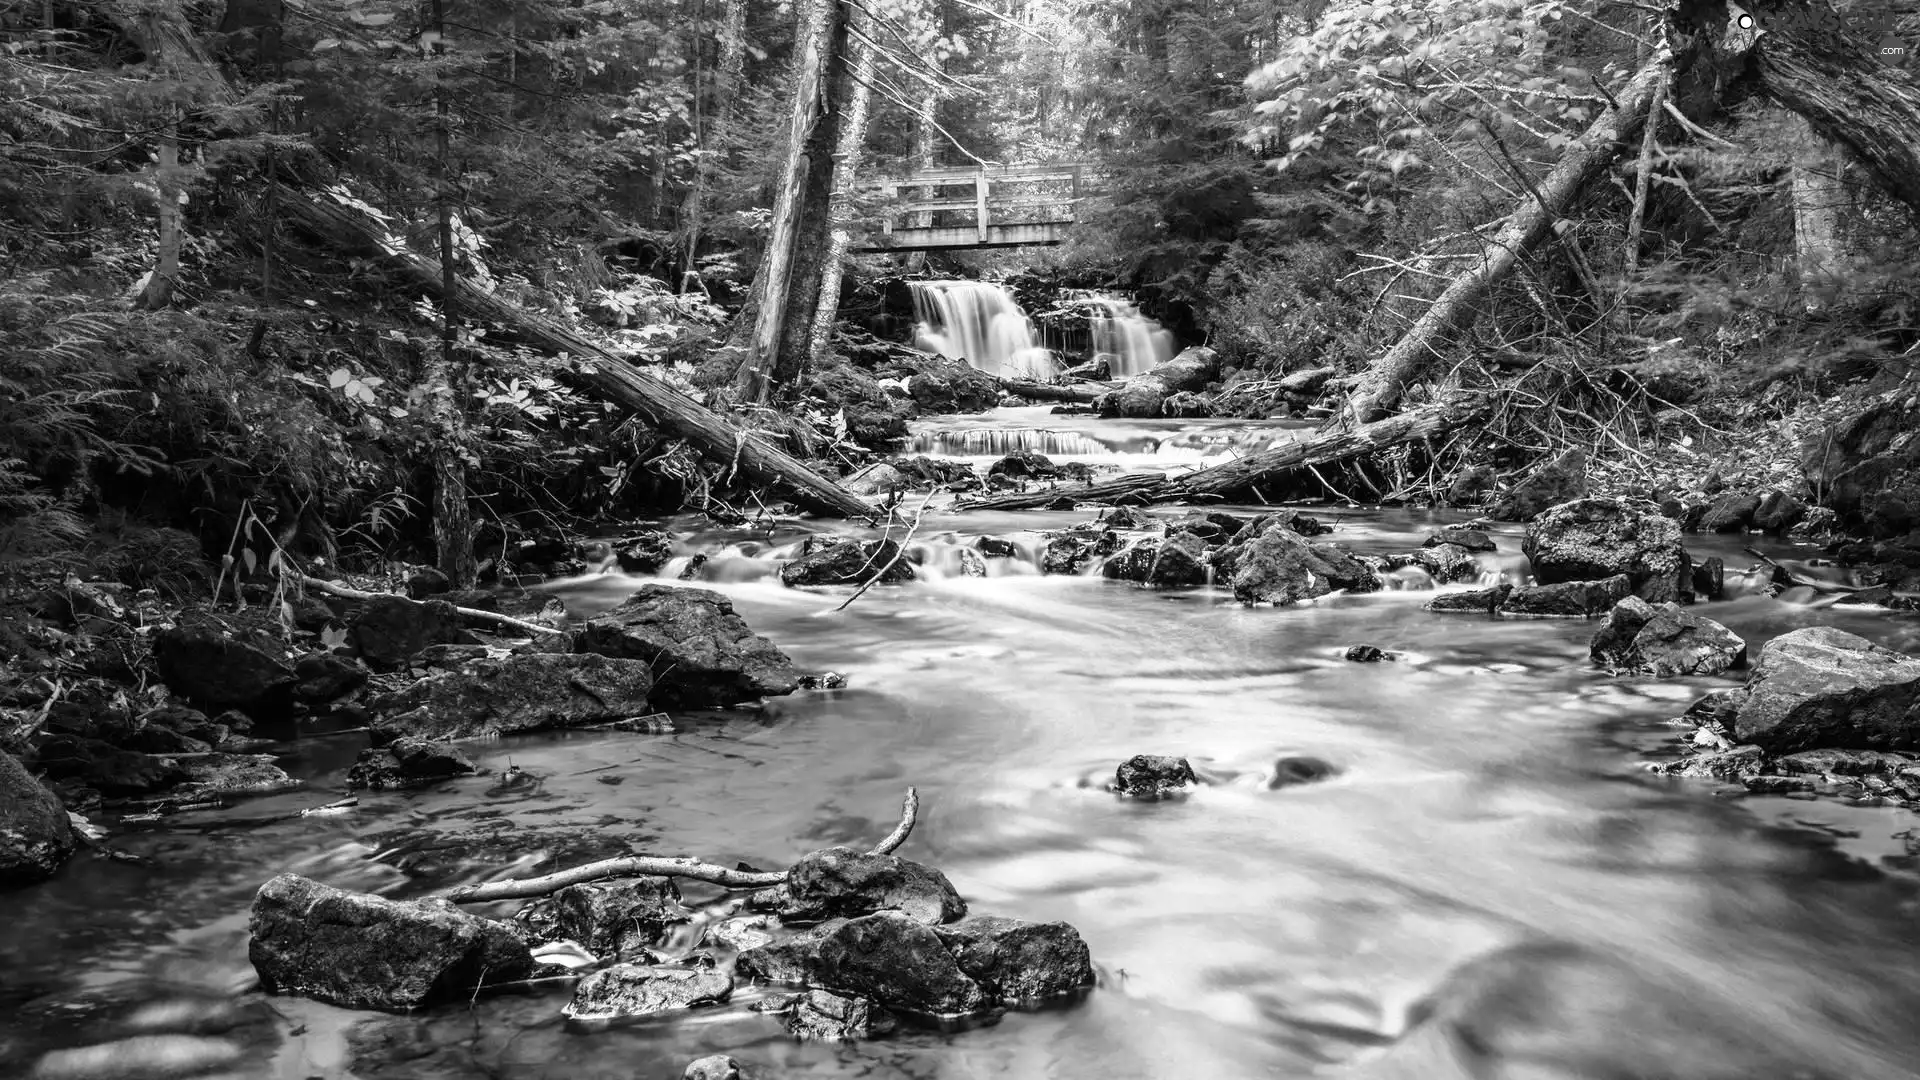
(820, 29)
(847, 154)
(158, 291)
(1822, 209)
(1246, 474)
(1039, 391)
(1455, 309)
(599, 372)
(445, 404)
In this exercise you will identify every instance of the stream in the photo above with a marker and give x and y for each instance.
(1493, 887)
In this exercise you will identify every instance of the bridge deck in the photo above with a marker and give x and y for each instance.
(1039, 212)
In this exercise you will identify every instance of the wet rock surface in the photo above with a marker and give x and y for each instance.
(1294, 770)
(1176, 561)
(516, 693)
(35, 835)
(1016, 961)
(887, 957)
(390, 630)
(1593, 539)
(1820, 687)
(1368, 654)
(841, 882)
(1665, 640)
(714, 1067)
(1473, 540)
(217, 668)
(1279, 567)
(825, 1015)
(1471, 601)
(408, 762)
(642, 990)
(1150, 776)
(643, 553)
(621, 919)
(361, 951)
(705, 654)
(1568, 599)
(848, 562)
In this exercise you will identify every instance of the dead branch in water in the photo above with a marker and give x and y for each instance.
(899, 552)
(659, 866)
(466, 613)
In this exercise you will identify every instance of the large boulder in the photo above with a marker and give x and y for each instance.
(643, 990)
(1177, 561)
(840, 882)
(1279, 567)
(1592, 539)
(621, 919)
(1569, 599)
(887, 956)
(217, 669)
(1665, 640)
(361, 951)
(35, 833)
(1867, 467)
(1015, 961)
(1822, 687)
(517, 693)
(945, 385)
(848, 562)
(390, 630)
(703, 653)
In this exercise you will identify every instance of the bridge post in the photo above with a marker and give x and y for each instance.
(980, 204)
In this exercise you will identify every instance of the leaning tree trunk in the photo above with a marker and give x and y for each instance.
(853, 136)
(1797, 55)
(1456, 307)
(799, 210)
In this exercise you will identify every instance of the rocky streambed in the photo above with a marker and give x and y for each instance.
(1202, 792)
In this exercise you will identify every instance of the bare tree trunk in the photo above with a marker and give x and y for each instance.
(717, 138)
(1455, 309)
(1822, 209)
(166, 264)
(853, 137)
(787, 286)
(452, 517)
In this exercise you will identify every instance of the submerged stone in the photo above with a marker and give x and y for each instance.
(848, 562)
(1368, 654)
(1298, 769)
(1148, 776)
(714, 1067)
(642, 990)
(517, 693)
(825, 1015)
(408, 762)
(887, 957)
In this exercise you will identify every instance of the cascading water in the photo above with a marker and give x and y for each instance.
(1133, 343)
(979, 323)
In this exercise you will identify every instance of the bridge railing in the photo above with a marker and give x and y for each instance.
(999, 196)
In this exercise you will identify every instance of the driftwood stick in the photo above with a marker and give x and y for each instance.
(1082, 394)
(467, 613)
(658, 866)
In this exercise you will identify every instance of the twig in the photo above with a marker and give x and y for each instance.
(928, 117)
(990, 13)
(658, 866)
(899, 552)
(469, 613)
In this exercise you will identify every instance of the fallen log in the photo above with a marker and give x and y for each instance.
(1039, 391)
(659, 866)
(599, 372)
(474, 614)
(1454, 310)
(1246, 473)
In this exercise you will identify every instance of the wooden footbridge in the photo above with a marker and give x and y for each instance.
(992, 206)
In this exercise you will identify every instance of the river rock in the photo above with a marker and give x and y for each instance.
(408, 762)
(1474, 540)
(1098, 369)
(1025, 464)
(1836, 762)
(841, 882)
(1730, 513)
(1665, 640)
(1710, 578)
(621, 918)
(643, 990)
(223, 776)
(1146, 395)
(1569, 599)
(517, 693)
(1294, 520)
(1177, 561)
(643, 553)
(1368, 654)
(1558, 481)
(219, 669)
(1184, 405)
(390, 630)
(705, 654)
(848, 562)
(1018, 962)
(1821, 687)
(714, 1067)
(943, 385)
(825, 1015)
(1735, 765)
(1592, 539)
(1151, 776)
(361, 951)
(887, 956)
(1475, 601)
(1065, 555)
(1297, 769)
(1779, 511)
(76, 760)
(36, 835)
(1447, 564)
(326, 676)
(1281, 568)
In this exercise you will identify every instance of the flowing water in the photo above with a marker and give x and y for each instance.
(979, 323)
(1493, 887)
(1133, 343)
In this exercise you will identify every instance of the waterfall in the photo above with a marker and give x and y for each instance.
(978, 323)
(1134, 344)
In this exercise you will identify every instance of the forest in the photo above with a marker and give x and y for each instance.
(458, 457)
